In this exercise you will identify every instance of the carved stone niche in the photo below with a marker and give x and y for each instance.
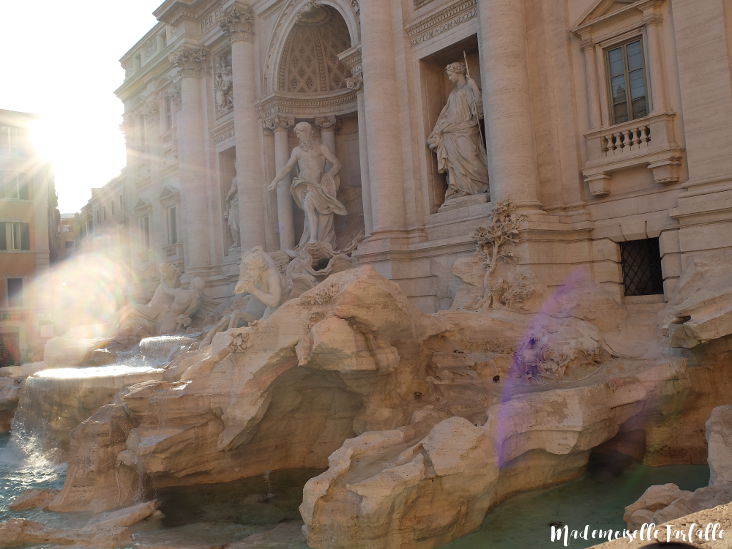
(437, 88)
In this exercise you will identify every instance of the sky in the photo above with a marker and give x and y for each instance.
(60, 60)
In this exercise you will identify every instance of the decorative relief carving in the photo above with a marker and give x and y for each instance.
(172, 92)
(238, 22)
(279, 122)
(212, 18)
(223, 84)
(188, 59)
(419, 3)
(351, 58)
(442, 21)
(222, 134)
(326, 122)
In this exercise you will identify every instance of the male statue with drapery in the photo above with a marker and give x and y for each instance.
(456, 137)
(313, 188)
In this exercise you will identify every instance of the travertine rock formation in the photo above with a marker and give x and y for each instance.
(701, 309)
(666, 502)
(422, 421)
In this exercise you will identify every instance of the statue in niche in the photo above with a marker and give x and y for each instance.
(231, 212)
(223, 86)
(185, 304)
(313, 188)
(456, 138)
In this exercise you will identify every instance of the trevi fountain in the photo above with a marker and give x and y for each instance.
(407, 277)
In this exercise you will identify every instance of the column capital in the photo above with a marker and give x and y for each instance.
(277, 122)
(352, 59)
(326, 122)
(238, 22)
(189, 60)
(355, 82)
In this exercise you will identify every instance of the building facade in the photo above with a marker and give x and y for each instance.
(605, 122)
(28, 240)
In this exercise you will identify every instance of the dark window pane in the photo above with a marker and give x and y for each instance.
(637, 84)
(15, 292)
(620, 113)
(616, 61)
(635, 56)
(640, 107)
(618, 88)
(641, 263)
(3, 236)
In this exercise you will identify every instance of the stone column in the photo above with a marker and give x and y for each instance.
(588, 50)
(192, 160)
(327, 125)
(512, 161)
(652, 19)
(352, 58)
(382, 118)
(280, 126)
(238, 25)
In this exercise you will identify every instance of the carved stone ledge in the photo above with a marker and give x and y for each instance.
(238, 23)
(442, 21)
(340, 102)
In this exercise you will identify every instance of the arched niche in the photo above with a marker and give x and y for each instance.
(289, 17)
(306, 81)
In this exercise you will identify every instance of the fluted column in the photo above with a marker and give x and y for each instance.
(382, 117)
(238, 25)
(280, 126)
(512, 161)
(192, 159)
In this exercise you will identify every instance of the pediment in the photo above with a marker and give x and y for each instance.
(142, 207)
(169, 194)
(603, 9)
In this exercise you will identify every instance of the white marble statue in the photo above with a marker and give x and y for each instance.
(313, 188)
(185, 304)
(231, 213)
(145, 318)
(223, 86)
(456, 137)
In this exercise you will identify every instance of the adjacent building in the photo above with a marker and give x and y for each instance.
(606, 122)
(28, 241)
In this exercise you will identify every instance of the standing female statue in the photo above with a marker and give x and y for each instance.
(456, 138)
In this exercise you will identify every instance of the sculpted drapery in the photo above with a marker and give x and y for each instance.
(456, 137)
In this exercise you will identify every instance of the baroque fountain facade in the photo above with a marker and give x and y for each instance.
(438, 252)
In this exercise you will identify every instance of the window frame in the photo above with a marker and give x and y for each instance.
(20, 182)
(171, 222)
(623, 42)
(16, 302)
(9, 236)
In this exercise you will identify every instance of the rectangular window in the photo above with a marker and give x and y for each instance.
(14, 236)
(13, 185)
(172, 225)
(145, 231)
(14, 289)
(641, 262)
(626, 71)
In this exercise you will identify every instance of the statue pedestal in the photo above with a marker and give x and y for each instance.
(464, 202)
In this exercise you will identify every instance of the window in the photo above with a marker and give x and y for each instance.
(641, 261)
(145, 230)
(14, 289)
(626, 72)
(13, 186)
(172, 225)
(14, 236)
(7, 138)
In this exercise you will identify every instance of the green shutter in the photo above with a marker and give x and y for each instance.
(24, 236)
(3, 241)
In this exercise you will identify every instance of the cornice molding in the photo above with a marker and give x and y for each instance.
(442, 21)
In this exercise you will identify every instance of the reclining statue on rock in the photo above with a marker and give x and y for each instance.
(143, 319)
(185, 304)
(261, 281)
